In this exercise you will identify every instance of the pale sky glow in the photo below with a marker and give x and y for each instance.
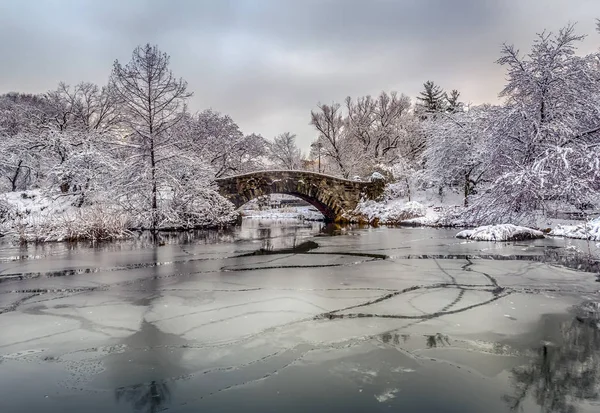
(268, 63)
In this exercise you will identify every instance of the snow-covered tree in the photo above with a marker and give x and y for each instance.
(151, 101)
(226, 148)
(85, 106)
(284, 153)
(455, 154)
(453, 104)
(378, 126)
(543, 148)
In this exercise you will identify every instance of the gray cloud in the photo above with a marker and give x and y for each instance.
(268, 62)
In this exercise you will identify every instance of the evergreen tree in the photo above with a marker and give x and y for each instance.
(432, 99)
(453, 104)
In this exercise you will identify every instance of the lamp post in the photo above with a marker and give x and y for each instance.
(318, 145)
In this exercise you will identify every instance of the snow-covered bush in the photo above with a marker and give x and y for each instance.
(389, 213)
(589, 231)
(6, 210)
(80, 224)
(34, 216)
(395, 190)
(502, 232)
(201, 208)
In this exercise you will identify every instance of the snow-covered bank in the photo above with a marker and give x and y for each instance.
(589, 231)
(32, 216)
(502, 232)
(409, 213)
(399, 213)
(37, 216)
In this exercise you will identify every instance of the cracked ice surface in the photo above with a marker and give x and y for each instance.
(353, 318)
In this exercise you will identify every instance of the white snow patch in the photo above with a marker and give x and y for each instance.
(502, 232)
(376, 176)
(35, 205)
(386, 395)
(402, 370)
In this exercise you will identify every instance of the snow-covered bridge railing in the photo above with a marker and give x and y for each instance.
(332, 196)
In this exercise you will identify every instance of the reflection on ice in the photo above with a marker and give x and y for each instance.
(145, 397)
(409, 318)
(562, 374)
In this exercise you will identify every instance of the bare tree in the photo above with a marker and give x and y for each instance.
(329, 123)
(284, 153)
(95, 108)
(152, 102)
(378, 126)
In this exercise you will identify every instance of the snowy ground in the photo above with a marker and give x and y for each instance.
(304, 213)
(33, 205)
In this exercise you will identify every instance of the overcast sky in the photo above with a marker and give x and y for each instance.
(267, 63)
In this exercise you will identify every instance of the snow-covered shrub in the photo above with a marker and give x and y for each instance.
(414, 209)
(6, 210)
(502, 232)
(389, 213)
(80, 224)
(589, 231)
(91, 223)
(202, 208)
(395, 190)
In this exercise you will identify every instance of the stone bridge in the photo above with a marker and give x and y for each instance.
(330, 195)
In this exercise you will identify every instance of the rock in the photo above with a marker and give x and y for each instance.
(376, 176)
(502, 232)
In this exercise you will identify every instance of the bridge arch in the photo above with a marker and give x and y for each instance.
(332, 196)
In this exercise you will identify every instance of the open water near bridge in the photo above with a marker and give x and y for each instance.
(291, 317)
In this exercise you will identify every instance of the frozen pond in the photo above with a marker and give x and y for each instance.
(287, 317)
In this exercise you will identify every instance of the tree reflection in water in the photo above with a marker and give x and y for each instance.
(389, 338)
(560, 377)
(437, 340)
(146, 397)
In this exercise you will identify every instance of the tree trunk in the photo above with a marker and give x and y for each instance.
(13, 180)
(64, 186)
(466, 203)
(154, 223)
